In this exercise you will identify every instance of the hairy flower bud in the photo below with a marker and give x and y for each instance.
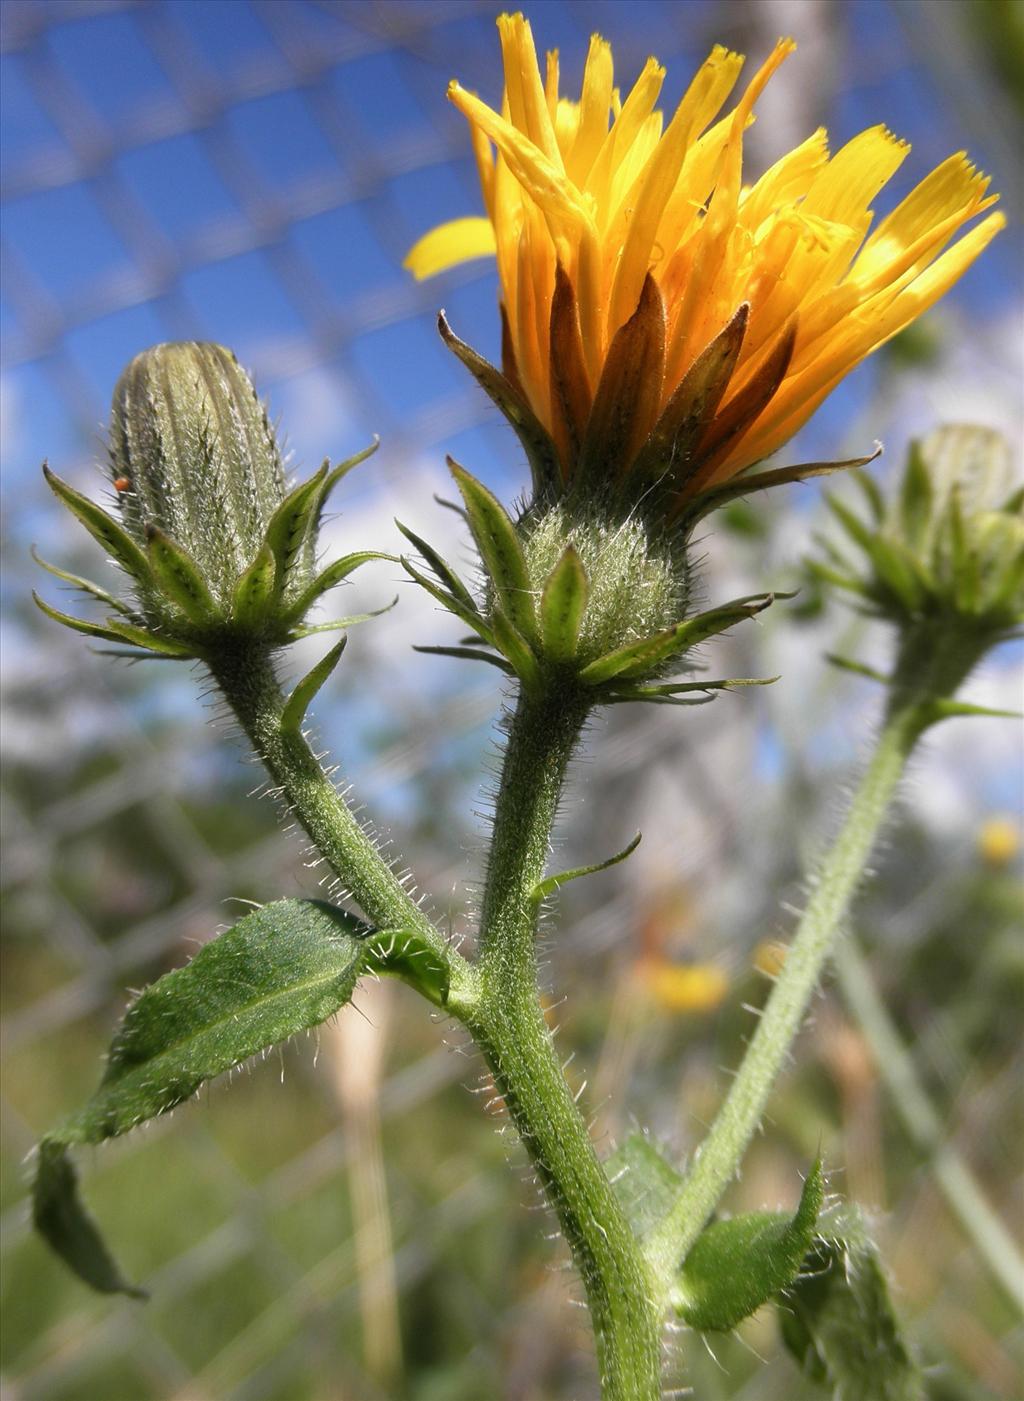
(949, 546)
(573, 600)
(194, 455)
(217, 548)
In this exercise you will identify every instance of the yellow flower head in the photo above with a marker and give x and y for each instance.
(657, 310)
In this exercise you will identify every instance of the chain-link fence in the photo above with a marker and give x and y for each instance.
(252, 171)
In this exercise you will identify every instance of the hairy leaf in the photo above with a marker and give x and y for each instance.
(562, 605)
(500, 550)
(735, 1266)
(445, 573)
(406, 955)
(290, 523)
(282, 969)
(302, 694)
(255, 589)
(640, 658)
(838, 1321)
(85, 585)
(103, 528)
(178, 577)
(329, 578)
(114, 631)
(645, 1183)
(550, 884)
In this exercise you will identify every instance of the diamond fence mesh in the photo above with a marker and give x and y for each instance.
(339, 1221)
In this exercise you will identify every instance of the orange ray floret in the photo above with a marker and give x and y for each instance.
(618, 233)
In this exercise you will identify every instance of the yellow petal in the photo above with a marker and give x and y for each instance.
(701, 103)
(844, 189)
(786, 180)
(623, 132)
(954, 186)
(528, 105)
(459, 241)
(542, 180)
(701, 312)
(595, 104)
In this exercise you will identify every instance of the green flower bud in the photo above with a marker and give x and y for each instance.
(217, 549)
(949, 547)
(194, 456)
(577, 601)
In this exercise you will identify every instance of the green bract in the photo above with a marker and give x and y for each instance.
(948, 546)
(213, 543)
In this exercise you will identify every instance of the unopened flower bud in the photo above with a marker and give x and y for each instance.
(194, 456)
(217, 549)
(949, 546)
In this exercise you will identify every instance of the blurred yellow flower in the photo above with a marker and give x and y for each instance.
(999, 840)
(651, 300)
(683, 987)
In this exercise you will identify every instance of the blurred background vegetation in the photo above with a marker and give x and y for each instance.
(340, 1221)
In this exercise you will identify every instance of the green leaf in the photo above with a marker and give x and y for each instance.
(289, 526)
(858, 668)
(550, 884)
(255, 589)
(500, 550)
(562, 605)
(178, 578)
(735, 1266)
(286, 967)
(302, 695)
(644, 1182)
(895, 566)
(469, 654)
(715, 497)
(114, 631)
(511, 643)
(675, 688)
(338, 624)
(406, 955)
(917, 499)
(937, 710)
(638, 658)
(102, 528)
(464, 613)
(838, 1321)
(329, 578)
(333, 477)
(445, 573)
(86, 585)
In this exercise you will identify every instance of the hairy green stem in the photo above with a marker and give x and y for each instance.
(250, 686)
(932, 662)
(509, 1026)
(920, 1119)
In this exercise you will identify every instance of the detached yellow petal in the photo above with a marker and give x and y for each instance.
(459, 241)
